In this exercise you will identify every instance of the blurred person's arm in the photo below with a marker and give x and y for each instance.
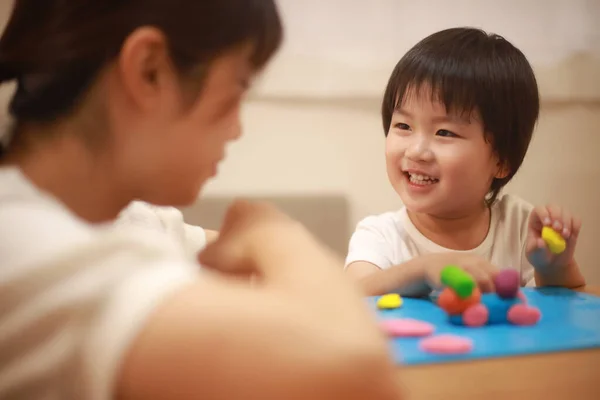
(303, 332)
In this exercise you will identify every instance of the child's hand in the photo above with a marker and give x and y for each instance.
(428, 268)
(562, 222)
(246, 226)
(482, 271)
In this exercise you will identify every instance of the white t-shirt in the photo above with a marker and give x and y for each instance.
(168, 220)
(391, 239)
(73, 295)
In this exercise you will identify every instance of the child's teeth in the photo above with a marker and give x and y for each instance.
(421, 179)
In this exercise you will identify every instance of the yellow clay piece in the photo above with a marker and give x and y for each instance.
(556, 243)
(389, 301)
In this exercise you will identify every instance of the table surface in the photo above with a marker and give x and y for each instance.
(574, 374)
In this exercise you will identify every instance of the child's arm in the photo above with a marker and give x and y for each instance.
(554, 269)
(361, 269)
(406, 277)
(302, 333)
(372, 260)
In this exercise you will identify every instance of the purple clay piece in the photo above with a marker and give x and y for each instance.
(507, 283)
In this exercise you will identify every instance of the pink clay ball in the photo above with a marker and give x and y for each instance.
(524, 315)
(476, 315)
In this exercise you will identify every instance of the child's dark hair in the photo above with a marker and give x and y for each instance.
(469, 70)
(56, 48)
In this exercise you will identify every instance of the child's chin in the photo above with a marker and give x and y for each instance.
(421, 207)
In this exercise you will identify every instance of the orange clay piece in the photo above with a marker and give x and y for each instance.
(450, 302)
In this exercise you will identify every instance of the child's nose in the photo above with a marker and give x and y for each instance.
(419, 150)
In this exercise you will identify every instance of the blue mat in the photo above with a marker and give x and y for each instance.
(570, 321)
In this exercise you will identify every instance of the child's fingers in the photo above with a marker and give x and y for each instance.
(485, 284)
(574, 232)
(540, 217)
(567, 224)
(534, 242)
(540, 256)
(540, 244)
(225, 257)
(556, 218)
(576, 227)
(483, 277)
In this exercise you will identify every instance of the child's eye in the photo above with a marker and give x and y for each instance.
(446, 133)
(402, 126)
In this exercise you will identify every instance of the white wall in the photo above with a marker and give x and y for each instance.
(347, 48)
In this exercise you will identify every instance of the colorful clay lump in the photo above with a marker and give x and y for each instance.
(406, 327)
(506, 306)
(554, 240)
(507, 284)
(389, 301)
(459, 280)
(446, 344)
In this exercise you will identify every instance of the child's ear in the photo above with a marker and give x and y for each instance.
(502, 170)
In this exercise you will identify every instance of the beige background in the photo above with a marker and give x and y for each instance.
(312, 127)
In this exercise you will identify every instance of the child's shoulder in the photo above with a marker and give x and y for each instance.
(389, 219)
(512, 210)
(509, 203)
(390, 225)
(32, 222)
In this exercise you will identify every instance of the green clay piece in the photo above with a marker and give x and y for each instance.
(458, 280)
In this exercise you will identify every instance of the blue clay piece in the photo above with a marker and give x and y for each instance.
(456, 320)
(498, 307)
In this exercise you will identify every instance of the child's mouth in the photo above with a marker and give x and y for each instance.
(420, 180)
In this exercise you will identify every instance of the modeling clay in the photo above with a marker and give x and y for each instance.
(507, 283)
(555, 242)
(459, 280)
(446, 344)
(477, 315)
(452, 304)
(389, 301)
(506, 306)
(522, 314)
(406, 327)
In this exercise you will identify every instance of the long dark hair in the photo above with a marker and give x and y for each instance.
(56, 48)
